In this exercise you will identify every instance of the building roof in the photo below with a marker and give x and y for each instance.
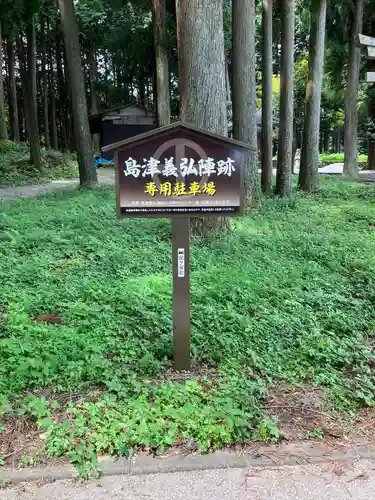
(169, 128)
(119, 108)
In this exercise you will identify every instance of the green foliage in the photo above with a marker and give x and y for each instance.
(316, 433)
(85, 303)
(339, 158)
(267, 430)
(6, 146)
(16, 170)
(204, 414)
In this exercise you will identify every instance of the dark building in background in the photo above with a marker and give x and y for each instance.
(120, 123)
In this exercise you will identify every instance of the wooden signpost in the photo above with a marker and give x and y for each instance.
(179, 171)
(369, 44)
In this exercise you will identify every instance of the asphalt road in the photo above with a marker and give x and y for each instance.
(333, 481)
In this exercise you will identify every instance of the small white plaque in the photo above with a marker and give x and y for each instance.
(181, 263)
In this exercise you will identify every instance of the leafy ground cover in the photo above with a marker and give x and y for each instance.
(85, 322)
(15, 169)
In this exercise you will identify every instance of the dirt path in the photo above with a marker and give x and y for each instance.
(105, 177)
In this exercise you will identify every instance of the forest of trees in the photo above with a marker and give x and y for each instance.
(62, 61)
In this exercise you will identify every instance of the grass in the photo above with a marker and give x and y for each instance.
(335, 158)
(15, 169)
(339, 158)
(85, 307)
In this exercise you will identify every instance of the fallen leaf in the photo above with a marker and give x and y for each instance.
(53, 319)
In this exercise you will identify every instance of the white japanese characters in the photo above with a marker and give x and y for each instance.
(188, 166)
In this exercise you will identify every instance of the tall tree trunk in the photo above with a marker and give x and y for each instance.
(23, 102)
(308, 175)
(333, 142)
(227, 82)
(32, 122)
(351, 96)
(294, 146)
(71, 138)
(338, 140)
(45, 90)
(54, 135)
(284, 160)
(93, 71)
(21, 116)
(141, 90)
(3, 123)
(267, 129)
(63, 101)
(202, 77)
(163, 108)
(13, 104)
(244, 89)
(52, 94)
(87, 171)
(371, 139)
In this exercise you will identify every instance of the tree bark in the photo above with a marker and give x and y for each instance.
(308, 175)
(267, 129)
(351, 96)
(32, 122)
(45, 91)
(284, 161)
(202, 78)
(3, 123)
(163, 109)
(244, 89)
(93, 71)
(13, 103)
(87, 171)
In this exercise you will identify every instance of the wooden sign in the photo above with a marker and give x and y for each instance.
(179, 171)
(364, 40)
(370, 52)
(368, 43)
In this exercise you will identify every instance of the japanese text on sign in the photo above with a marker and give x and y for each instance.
(188, 166)
(179, 189)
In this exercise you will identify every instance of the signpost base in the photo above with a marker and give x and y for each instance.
(181, 292)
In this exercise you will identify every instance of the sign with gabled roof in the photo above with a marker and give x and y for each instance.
(179, 171)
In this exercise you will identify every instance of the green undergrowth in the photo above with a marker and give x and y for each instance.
(15, 168)
(85, 308)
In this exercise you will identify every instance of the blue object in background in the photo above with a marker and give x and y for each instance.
(102, 162)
